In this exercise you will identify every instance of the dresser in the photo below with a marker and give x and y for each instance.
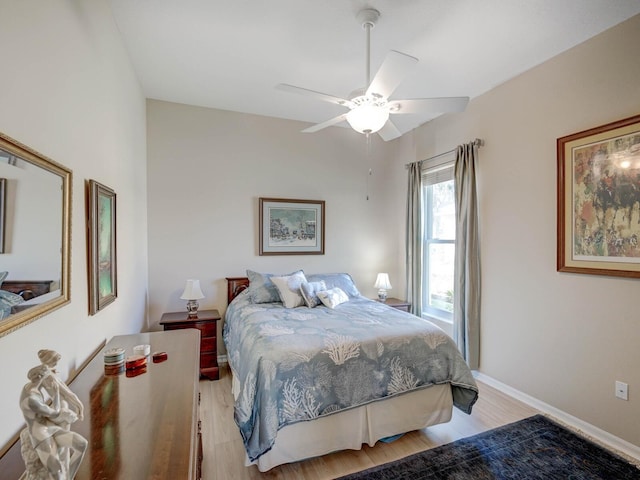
(141, 424)
(205, 321)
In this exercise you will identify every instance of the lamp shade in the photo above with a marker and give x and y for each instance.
(383, 281)
(192, 290)
(368, 118)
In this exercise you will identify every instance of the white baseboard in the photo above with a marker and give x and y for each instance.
(597, 434)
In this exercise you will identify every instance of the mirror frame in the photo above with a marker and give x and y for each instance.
(20, 319)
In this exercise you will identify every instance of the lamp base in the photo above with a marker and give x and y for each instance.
(192, 308)
(382, 295)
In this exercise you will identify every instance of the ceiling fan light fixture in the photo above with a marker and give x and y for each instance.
(369, 114)
(369, 107)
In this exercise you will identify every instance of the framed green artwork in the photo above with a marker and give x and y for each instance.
(101, 203)
(3, 197)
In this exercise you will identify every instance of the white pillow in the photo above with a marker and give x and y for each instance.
(262, 289)
(333, 297)
(289, 289)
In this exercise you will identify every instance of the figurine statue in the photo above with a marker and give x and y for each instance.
(50, 358)
(49, 448)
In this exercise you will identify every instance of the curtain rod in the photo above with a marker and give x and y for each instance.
(478, 142)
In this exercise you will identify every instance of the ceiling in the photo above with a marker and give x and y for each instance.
(230, 54)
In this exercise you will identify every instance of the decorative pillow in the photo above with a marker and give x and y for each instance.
(289, 289)
(341, 280)
(309, 291)
(3, 275)
(262, 289)
(8, 300)
(333, 297)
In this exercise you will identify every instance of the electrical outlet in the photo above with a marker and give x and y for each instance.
(622, 390)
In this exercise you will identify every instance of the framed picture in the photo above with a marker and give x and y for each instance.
(101, 246)
(291, 227)
(599, 200)
(3, 206)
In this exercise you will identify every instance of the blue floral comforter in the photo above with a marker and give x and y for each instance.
(303, 363)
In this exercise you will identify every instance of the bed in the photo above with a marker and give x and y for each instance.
(14, 294)
(308, 381)
(27, 289)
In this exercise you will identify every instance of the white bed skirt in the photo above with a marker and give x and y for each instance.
(352, 428)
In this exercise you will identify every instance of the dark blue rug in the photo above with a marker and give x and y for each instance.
(533, 448)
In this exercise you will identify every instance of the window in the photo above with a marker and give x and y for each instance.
(439, 241)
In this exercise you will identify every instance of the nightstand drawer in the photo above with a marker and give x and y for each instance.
(206, 329)
(208, 345)
(208, 360)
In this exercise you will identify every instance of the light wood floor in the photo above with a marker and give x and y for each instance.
(224, 452)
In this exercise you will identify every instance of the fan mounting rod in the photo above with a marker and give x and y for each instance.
(368, 18)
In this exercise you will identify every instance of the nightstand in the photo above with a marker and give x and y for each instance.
(397, 303)
(206, 323)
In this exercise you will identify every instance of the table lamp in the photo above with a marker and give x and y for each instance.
(382, 284)
(192, 293)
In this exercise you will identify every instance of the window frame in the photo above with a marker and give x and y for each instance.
(438, 171)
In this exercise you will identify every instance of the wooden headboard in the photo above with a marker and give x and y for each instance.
(235, 285)
(27, 289)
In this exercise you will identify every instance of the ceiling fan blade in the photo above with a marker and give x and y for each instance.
(389, 131)
(328, 123)
(420, 105)
(395, 67)
(320, 96)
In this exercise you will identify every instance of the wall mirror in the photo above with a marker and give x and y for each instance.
(35, 235)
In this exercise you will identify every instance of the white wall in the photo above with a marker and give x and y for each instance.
(561, 338)
(208, 168)
(68, 91)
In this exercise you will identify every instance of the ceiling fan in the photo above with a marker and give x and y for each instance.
(369, 108)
